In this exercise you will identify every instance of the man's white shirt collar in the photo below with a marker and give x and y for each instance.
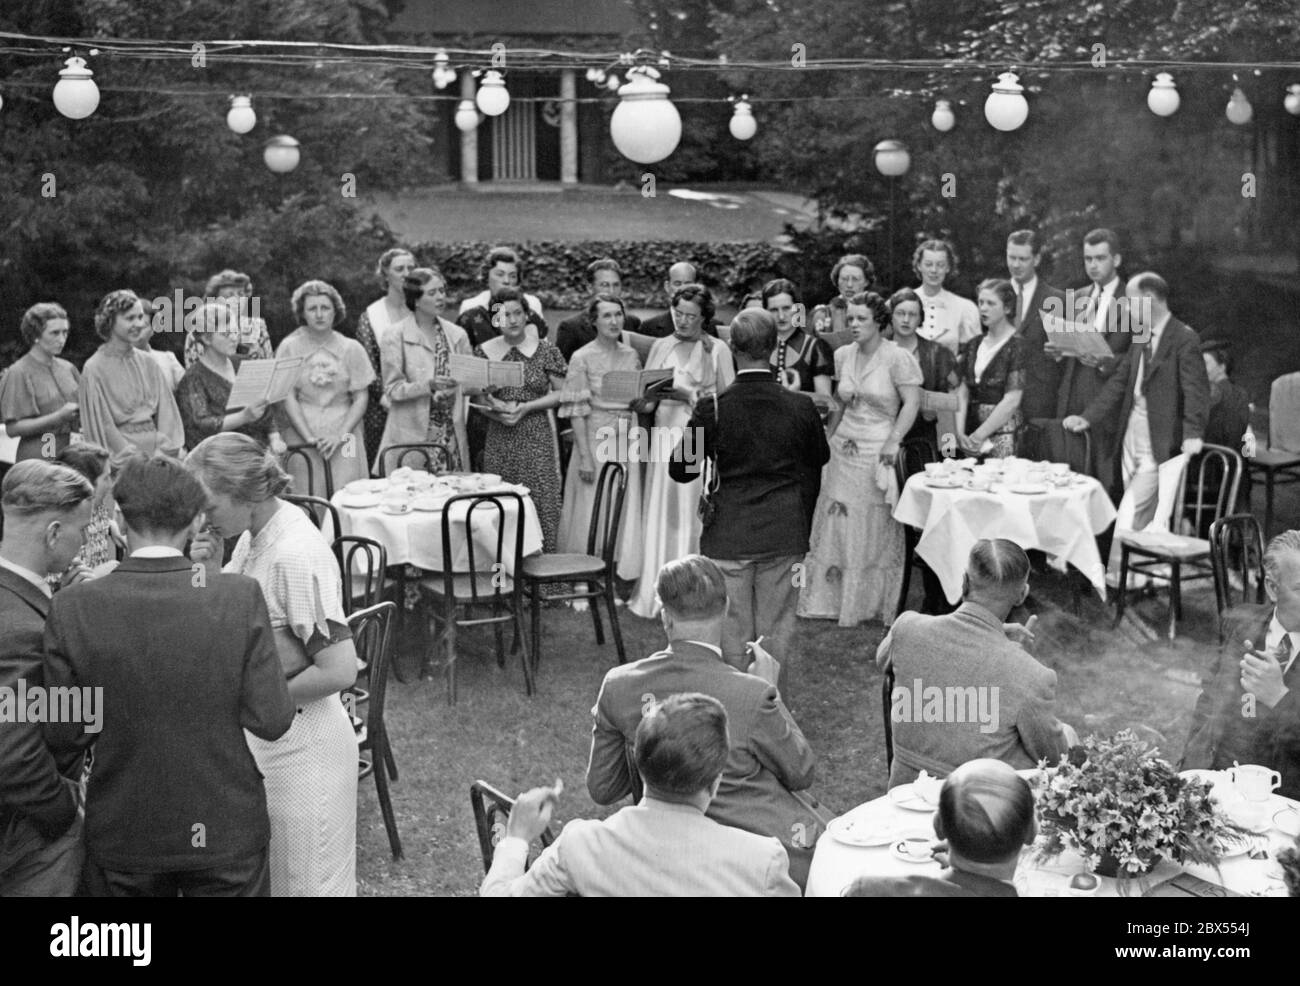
(36, 580)
(1274, 637)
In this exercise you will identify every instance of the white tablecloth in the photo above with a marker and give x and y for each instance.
(836, 865)
(415, 538)
(1062, 522)
(8, 447)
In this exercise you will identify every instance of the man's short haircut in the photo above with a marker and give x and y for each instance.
(158, 494)
(859, 260)
(753, 333)
(1152, 284)
(1095, 236)
(986, 810)
(1027, 237)
(682, 744)
(604, 263)
(695, 271)
(87, 458)
(1280, 545)
(997, 562)
(35, 486)
(692, 588)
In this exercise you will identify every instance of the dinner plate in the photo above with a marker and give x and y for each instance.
(1287, 821)
(1029, 489)
(359, 501)
(430, 502)
(1234, 845)
(904, 796)
(913, 850)
(864, 831)
(943, 483)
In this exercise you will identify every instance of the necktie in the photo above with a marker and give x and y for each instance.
(1284, 655)
(1020, 302)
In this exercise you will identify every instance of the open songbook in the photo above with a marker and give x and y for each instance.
(626, 386)
(477, 373)
(1075, 338)
(269, 380)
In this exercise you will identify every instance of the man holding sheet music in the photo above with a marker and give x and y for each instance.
(1086, 365)
(1159, 395)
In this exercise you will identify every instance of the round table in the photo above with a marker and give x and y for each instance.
(1063, 522)
(835, 865)
(415, 537)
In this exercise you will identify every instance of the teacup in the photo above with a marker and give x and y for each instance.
(1059, 468)
(1253, 782)
(978, 483)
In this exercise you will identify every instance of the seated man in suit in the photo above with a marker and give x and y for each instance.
(986, 812)
(963, 689)
(769, 757)
(184, 663)
(663, 847)
(46, 510)
(1249, 708)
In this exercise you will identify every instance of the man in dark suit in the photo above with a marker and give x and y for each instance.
(1249, 708)
(769, 758)
(769, 446)
(1160, 393)
(1042, 370)
(986, 813)
(46, 510)
(184, 662)
(661, 326)
(1083, 378)
(604, 278)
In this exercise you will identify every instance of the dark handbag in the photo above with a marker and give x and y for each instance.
(707, 508)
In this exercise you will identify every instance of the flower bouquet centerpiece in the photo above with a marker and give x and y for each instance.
(1122, 808)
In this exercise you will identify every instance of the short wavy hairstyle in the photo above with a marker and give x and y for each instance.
(780, 286)
(310, 289)
(698, 294)
(860, 260)
(37, 486)
(37, 317)
(1002, 288)
(502, 255)
(386, 261)
(112, 305)
(414, 284)
(874, 303)
(935, 246)
(682, 744)
(228, 279)
(593, 306)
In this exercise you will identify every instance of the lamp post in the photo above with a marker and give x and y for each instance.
(892, 161)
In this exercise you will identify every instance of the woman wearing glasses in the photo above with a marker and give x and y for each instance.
(702, 368)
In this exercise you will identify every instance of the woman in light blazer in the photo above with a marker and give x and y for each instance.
(427, 404)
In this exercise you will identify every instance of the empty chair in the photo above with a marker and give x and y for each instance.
(1212, 479)
(1280, 461)
(326, 482)
(913, 455)
(1236, 549)
(429, 456)
(363, 563)
(372, 634)
(595, 568)
(484, 585)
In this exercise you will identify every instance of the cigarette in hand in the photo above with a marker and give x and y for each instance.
(756, 643)
(559, 787)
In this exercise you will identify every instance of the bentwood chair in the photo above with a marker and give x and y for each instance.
(595, 569)
(913, 454)
(372, 634)
(1279, 462)
(483, 586)
(1236, 549)
(1211, 479)
(491, 811)
(310, 463)
(363, 563)
(430, 456)
(319, 510)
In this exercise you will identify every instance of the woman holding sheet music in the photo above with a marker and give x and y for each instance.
(204, 391)
(521, 445)
(327, 403)
(426, 404)
(601, 433)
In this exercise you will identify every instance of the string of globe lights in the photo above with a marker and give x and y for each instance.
(645, 125)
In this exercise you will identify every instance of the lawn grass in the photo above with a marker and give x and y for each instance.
(1108, 680)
